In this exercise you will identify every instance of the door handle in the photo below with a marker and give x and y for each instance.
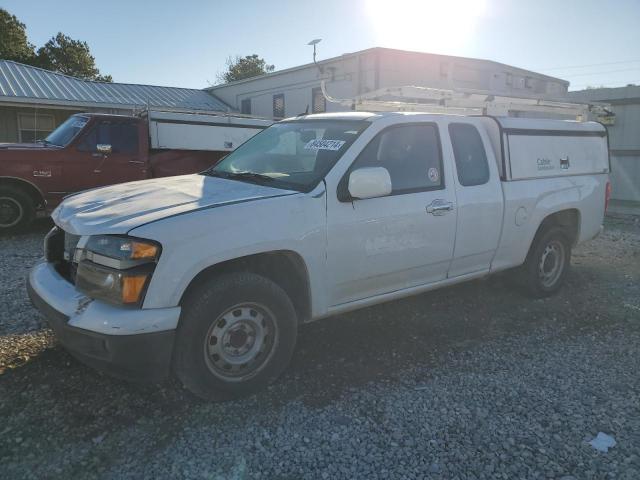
(439, 207)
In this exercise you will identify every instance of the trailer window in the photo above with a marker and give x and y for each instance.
(318, 102)
(411, 154)
(245, 106)
(278, 105)
(470, 155)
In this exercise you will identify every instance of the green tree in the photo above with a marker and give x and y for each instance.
(239, 68)
(71, 57)
(13, 39)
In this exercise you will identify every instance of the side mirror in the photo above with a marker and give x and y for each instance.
(103, 148)
(369, 182)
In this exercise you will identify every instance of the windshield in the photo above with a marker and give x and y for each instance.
(66, 132)
(293, 155)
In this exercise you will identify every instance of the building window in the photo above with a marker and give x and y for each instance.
(34, 126)
(509, 79)
(528, 82)
(245, 106)
(318, 102)
(278, 105)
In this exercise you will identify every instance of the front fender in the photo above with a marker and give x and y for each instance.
(197, 241)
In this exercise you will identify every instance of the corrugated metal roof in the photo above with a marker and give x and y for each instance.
(24, 83)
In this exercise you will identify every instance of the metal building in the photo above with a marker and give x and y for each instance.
(34, 101)
(624, 137)
(291, 91)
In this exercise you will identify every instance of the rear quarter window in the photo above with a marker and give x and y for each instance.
(470, 154)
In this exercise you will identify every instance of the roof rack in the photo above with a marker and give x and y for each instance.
(143, 111)
(463, 102)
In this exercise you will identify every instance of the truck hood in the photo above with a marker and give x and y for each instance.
(27, 146)
(120, 208)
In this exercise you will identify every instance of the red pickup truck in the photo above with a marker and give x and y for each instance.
(91, 150)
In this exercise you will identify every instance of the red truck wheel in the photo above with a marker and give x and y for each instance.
(16, 209)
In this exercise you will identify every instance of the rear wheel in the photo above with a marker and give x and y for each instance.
(16, 209)
(237, 334)
(547, 264)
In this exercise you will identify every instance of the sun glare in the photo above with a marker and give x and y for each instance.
(438, 26)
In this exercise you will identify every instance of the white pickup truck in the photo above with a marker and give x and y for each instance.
(210, 275)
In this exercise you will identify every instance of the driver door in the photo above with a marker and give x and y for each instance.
(391, 243)
(109, 153)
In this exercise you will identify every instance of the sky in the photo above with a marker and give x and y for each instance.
(186, 43)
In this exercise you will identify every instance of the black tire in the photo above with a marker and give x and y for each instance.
(17, 210)
(203, 333)
(547, 263)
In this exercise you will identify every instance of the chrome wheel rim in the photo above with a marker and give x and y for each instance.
(240, 342)
(10, 212)
(551, 263)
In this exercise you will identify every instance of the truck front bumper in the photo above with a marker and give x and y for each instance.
(129, 343)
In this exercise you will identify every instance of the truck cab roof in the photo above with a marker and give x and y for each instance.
(102, 115)
(336, 116)
(367, 116)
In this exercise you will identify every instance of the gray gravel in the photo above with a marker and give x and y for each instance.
(18, 253)
(471, 382)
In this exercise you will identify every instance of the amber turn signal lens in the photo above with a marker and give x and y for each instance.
(143, 250)
(132, 288)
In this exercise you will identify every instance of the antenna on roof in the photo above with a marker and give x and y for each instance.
(306, 112)
(314, 43)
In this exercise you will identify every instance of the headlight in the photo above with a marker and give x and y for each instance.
(119, 252)
(116, 269)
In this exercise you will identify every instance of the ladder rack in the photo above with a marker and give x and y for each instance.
(463, 102)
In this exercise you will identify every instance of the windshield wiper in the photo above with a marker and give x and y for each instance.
(213, 173)
(242, 175)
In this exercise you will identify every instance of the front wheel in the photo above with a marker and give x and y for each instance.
(16, 209)
(547, 264)
(236, 335)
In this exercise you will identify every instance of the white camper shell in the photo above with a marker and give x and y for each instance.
(201, 131)
(528, 148)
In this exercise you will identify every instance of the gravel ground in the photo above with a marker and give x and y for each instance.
(470, 382)
(17, 255)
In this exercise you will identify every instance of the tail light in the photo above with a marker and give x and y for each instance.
(607, 196)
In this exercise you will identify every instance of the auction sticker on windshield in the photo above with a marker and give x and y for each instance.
(322, 144)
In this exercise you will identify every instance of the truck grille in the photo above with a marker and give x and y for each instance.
(59, 248)
(54, 245)
(70, 244)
